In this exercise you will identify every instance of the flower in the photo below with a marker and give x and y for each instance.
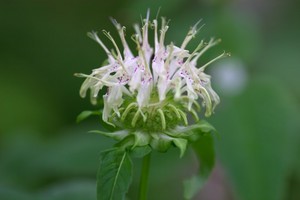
(154, 90)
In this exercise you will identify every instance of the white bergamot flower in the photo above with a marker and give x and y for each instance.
(154, 90)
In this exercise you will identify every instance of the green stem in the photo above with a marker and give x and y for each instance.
(144, 177)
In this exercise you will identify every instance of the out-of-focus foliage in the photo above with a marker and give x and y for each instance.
(45, 155)
(260, 139)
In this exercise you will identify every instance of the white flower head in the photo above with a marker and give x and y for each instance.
(159, 84)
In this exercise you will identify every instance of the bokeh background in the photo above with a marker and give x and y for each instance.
(45, 155)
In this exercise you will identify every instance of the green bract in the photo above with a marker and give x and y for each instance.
(157, 116)
(158, 135)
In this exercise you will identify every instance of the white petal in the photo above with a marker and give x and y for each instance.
(106, 109)
(135, 80)
(144, 93)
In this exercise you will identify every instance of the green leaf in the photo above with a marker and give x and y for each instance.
(204, 149)
(181, 144)
(114, 175)
(261, 132)
(85, 114)
(141, 138)
(126, 143)
(161, 142)
(13, 194)
(140, 152)
(192, 132)
(117, 135)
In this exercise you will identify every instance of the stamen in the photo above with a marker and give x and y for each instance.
(213, 60)
(80, 75)
(141, 54)
(167, 62)
(93, 35)
(163, 31)
(119, 56)
(200, 45)
(210, 44)
(121, 30)
(191, 34)
(138, 32)
(145, 33)
(107, 34)
(157, 14)
(156, 44)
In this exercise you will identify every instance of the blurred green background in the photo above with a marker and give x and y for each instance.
(45, 155)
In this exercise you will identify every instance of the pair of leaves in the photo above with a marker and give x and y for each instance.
(115, 172)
